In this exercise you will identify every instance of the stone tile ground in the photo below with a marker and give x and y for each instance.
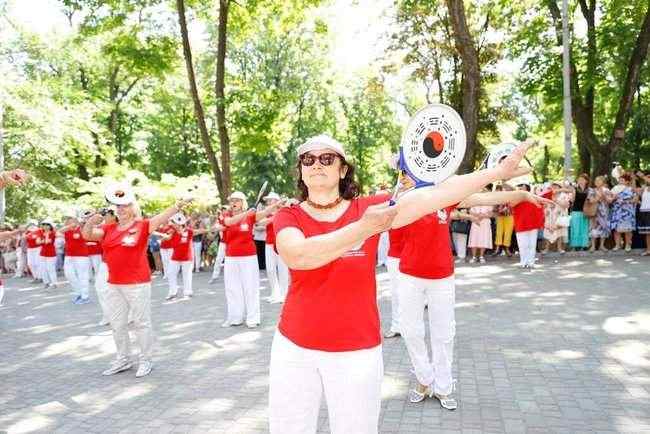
(565, 348)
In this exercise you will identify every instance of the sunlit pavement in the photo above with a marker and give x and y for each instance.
(564, 348)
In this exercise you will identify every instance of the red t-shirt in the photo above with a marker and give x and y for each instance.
(182, 245)
(94, 248)
(240, 238)
(528, 216)
(396, 242)
(270, 233)
(75, 244)
(334, 307)
(427, 249)
(167, 229)
(47, 245)
(32, 238)
(125, 253)
(221, 222)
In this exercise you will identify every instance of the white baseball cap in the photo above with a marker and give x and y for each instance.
(272, 195)
(85, 214)
(119, 194)
(178, 218)
(48, 221)
(322, 141)
(237, 195)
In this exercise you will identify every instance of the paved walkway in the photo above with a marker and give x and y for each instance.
(564, 348)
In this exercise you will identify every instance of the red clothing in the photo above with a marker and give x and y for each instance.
(167, 229)
(427, 248)
(396, 242)
(47, 244)
(528, 216)
(334, 307)
(240, 238)
(32, 238)
(182, 245)
(75, 244)
(94, 248)
(270, 233)
(125, 253)
(221, 220)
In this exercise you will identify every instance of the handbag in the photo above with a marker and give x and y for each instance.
(460, 226)
(590, 209)
(563, 221)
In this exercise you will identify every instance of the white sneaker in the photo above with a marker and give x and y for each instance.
(472, 260)
(211, 281)
(103, 322)
(144, 368)
(481, 260)
(117, 367)
(170, 296)
(252, 325)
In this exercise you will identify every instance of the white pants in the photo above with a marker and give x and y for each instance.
(298, 377)
(392, 264)
(283, 277)
(272, 271)
(48, 270)
(197, 255)
(382, 249)
(165, 257)
(218, 262)
(136, 300)
(77, 271)
(440, 295)
(95, 263)
(34, 261)
(185, 267)
(242, 282)
(2, 292)
(460, 244)
(527, 242)
(101, 286)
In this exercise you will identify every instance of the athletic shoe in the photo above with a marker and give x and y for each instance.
(144, 368)
(103, 322)
(481, 260)
(170, 296)
(252, 325)
(84, 301)
(226, 324)
(446, 401)
(472, 260)
(76, 299)
(211, 281)
(189, 296)
(117, 367)
(416, 396)
(391, 334)
(33, 281)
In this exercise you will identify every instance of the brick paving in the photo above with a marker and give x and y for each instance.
(563, 349)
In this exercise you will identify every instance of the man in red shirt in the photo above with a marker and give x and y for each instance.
(77, 264)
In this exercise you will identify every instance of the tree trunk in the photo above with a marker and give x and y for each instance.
(224, 140)
(471, 81)
(198, 107)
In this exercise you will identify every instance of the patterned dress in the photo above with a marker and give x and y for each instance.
(623, 218)
(600, 222)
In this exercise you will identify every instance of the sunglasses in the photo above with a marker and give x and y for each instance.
(324, 159)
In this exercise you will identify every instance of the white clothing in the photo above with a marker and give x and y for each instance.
(196, 246)
(122, 300)
(283, 278)
(382, 249)
(440, 294)
(77, 271)
(527, 242)
(2, 293)
(34, 261)
(218, 261)
(645, 200)
(48, 265)
(242, 282)
(392, 264)
(298, 377)
(165, 257)
(460, 244)
(101, 286)
(185, 267)
(20, 262)
(95, 263)
(272, 271)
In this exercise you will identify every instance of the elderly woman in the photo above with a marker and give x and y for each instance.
(129, 277)
(600, 223)
(48, 254)
(623, 217)
(579, 229)
(328, 338)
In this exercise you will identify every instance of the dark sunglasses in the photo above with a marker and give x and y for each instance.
(324, 159)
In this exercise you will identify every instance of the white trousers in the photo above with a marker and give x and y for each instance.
(95, 263)
(272, 271)
(460, 244)
(48, 270)
(197, 255)
(101, 286)
(185, 267)
(77, 271)
(218, 261)
(392, 264)
(351, 381)
(165, 257)
(527, 242)
(242, 282)
(382, 249)
(2, 292)
(136, 300)
(440, 295)
(34, 261)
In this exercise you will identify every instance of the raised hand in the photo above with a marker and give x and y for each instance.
(378, 218)
(510, 166)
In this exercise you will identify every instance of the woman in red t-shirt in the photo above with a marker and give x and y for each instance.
(77, 264)
(529, 219)
(329, 336)
(221, 247)
(48, 254)
(129, 277)
(241, 270)
(33, 234)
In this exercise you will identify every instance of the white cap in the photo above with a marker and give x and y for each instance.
(32, 223)
(178, 218)
(272, 195)
(85, 214)
(119, 194)
(322, 141)
(237, 195)
(48, 221)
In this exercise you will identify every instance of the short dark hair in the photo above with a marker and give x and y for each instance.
(348, 187)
